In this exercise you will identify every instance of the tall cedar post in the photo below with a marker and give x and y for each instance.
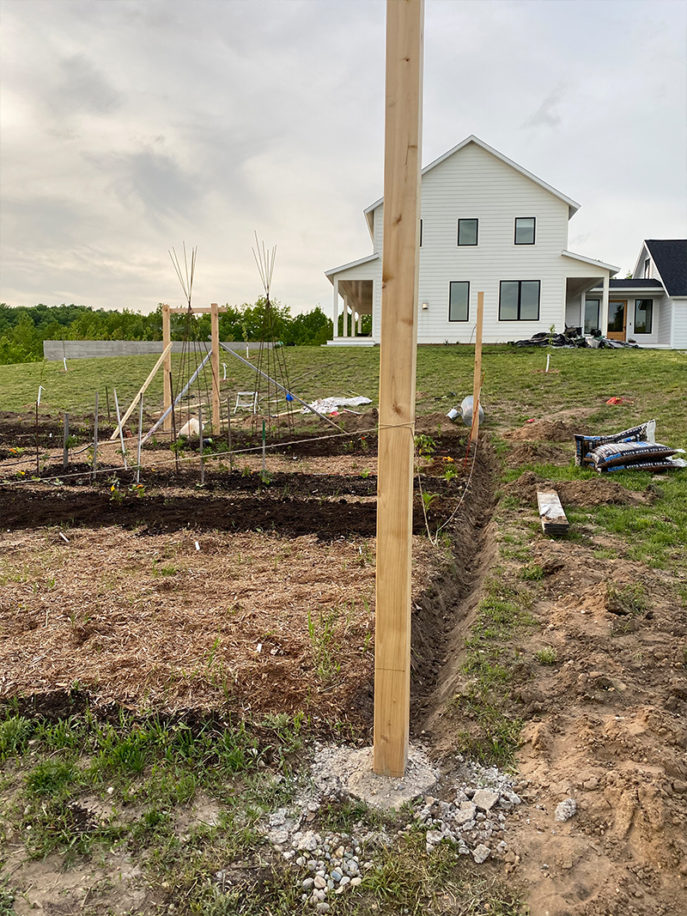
(214, 322)
(477, 376)
(167, 367)
(397, 384)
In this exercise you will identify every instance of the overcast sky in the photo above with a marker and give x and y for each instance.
(131, 126)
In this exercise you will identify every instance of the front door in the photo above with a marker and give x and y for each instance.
(617, 319)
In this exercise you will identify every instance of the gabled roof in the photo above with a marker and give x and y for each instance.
(592, 261)
(573, 206)
(670, 258)
(337, 270)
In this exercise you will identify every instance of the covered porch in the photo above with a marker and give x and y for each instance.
(582, 275)
(353, 299)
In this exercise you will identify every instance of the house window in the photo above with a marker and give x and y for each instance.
(591, 315)
(458, 300)
(519, 300)
(644, 313)
(647, 269)
(467, 231)
(524, 230)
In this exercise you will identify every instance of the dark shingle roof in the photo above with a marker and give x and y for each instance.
(670, 257)
(635, 284)
(632, 284)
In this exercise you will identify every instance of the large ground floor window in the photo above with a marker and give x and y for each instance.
(519, 300)
(458, 300)
(644, 314)
(591, 315)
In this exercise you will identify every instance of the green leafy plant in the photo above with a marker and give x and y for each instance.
(426, 446)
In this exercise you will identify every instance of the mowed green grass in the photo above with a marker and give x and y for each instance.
(515, 386)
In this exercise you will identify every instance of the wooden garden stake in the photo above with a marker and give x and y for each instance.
(264, 468)
(167, 371)
(231, 457)
(107, 399)
(140, 435)
(121, 431)
(214, 327)
(200, 444)
(477, 376)
(174, 425)
(65, 442)
(397, 384)
(38, 464)
(95, 439)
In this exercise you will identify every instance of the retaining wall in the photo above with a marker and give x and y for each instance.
(90, 349)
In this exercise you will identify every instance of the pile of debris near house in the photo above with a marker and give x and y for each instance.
(574, 337)
(633, 449)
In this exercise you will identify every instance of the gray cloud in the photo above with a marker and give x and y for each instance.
(130, 126)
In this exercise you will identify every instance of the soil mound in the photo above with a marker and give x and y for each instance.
(546, 431)
(534, 453)
(585, 494)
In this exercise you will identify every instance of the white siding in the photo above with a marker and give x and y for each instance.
(475, 184)
(679, 336)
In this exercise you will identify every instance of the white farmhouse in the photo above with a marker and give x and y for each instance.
(486, 224)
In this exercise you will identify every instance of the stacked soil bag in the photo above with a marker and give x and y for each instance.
(632, 449)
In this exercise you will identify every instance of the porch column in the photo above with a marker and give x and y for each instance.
(354, 324)
(335, 310)
(603, 319)
(345, 317)
(360, 324)
(583, 300)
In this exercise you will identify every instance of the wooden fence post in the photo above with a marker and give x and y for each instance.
(404, 29)
(214, 322)
(167, 366)
(477, 375)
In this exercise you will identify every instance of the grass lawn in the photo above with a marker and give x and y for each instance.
(184, 801)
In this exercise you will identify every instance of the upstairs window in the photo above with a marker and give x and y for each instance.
(458, 300)
(519, 300)
(644, 313)
(524, 230)
(467, 231)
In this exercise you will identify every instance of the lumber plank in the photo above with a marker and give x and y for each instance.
(141, 391)
(404, 20)
(551, 513)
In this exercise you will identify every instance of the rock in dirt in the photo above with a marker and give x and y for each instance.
(481, 853)
(485, 799)
(566, 810)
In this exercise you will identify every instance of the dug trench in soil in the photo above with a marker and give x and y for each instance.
(442, 608)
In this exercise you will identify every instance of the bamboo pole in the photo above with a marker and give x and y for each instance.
(38, 462)
(167, 374)
(214, 325)
(397, 384)
(107, 400)
(477, 375)
(141, 391)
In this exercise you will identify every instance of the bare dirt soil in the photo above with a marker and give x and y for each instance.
(130, 608)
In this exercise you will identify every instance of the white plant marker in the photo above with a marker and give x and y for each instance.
(38, 399)
(64, 360)
(548, 360)
(224, 378)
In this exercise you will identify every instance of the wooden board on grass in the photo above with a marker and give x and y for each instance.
(553, 518)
